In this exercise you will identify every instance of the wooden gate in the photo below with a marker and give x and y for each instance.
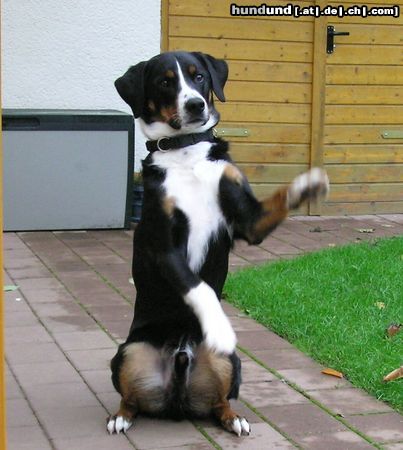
(302, 106)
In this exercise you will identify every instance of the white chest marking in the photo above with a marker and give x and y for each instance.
(193, 182)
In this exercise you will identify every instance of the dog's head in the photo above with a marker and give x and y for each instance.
(172, 92)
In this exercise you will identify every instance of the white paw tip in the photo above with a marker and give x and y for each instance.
(245, 426)
(111, 426)
(236, 427)
(118, 424)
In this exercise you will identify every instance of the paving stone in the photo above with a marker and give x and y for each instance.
(21, 262)
(70, 323)
(242, 322)
(253, 254)
(93, 359)
(261, 340)
(33, 334)
(101, 442)
(13, 391)
(278, 247)
(346, 440)
(12, 305)
(118, 311)
(204, 446)
(396, 446)
(150, 433)
(51, 295)
(45, 373)
(21, 319)
(39, 283)
(39, 353)
(302, 420)
(119, 329)
(57, 395)
(99, 380)
(252, 372)
(229, 309)
(30, 272)
(110, 400)
(386, 427)
(32, 438)
(274, 393)
(84, 340)
(63, 421)
(280, 358)
(262, 436)
(19, 414)
(349, 401)
(311, 378)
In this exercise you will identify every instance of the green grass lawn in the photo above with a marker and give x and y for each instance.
(335, 305)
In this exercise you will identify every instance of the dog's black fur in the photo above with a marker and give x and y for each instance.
(172, 94)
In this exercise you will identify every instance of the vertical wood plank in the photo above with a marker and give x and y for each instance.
(318, 96)
(164, 25)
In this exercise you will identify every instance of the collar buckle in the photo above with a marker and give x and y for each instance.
(159, 146)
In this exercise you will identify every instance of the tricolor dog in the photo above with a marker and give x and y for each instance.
(179, 359)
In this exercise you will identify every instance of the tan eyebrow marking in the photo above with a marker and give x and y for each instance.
(170, 74)
(192, 69)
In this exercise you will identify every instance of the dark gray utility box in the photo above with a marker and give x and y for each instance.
(67, 169)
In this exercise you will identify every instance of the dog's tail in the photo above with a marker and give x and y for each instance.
(183, 360)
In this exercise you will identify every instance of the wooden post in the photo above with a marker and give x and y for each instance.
(164, 25)
(318, 96)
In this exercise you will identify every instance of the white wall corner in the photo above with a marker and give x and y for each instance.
(66, 54)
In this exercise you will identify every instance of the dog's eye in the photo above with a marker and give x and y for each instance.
(199, 78)
(165, 82)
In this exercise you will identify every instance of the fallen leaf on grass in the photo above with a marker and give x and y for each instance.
(331, 245)
(332, 372)
(379, 305)
(394, 375)
(131, 281)
(10, 287)
(365, 230)
(393, 329)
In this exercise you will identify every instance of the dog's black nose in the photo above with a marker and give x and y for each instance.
(195, 105)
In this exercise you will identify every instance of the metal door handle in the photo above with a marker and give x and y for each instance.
(331, 33)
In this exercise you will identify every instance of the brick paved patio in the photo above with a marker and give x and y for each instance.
(74, 305)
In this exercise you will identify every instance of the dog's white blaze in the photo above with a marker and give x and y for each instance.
(186, 93)
(192, 181)
(217, 329)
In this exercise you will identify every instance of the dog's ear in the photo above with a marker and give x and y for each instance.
(218, 70)
(131, 87)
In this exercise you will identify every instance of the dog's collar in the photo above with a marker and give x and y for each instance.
(165, 144)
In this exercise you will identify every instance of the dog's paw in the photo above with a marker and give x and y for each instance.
(238, 425)
(217, 330)
(309, 185)
(218, 333)
(117, 424)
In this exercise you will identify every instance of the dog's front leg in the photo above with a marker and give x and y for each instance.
(253, 220)
(217, 330)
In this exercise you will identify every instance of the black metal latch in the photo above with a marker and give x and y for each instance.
(331, 33)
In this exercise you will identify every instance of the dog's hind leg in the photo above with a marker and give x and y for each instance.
(229, 419)
(123, 419)
(214, 379)
(137, 376)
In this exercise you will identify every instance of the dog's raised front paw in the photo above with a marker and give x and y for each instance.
(116, 424)
(218, 333)
(238, 425)
(309, 185)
